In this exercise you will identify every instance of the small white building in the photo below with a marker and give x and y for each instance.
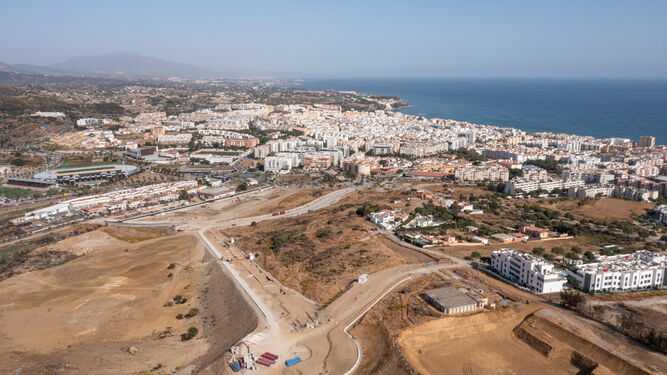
(44, 213)
(423, 222)
(384, 219)
(527, 270)
(482, 240)
(362, 278)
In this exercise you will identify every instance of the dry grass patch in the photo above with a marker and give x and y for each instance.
(136, 234)
(319, 253)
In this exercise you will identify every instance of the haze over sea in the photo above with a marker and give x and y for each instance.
(595, 107)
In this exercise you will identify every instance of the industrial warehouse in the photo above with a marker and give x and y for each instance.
(451, 300)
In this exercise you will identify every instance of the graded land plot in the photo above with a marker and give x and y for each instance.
(523, 339)
(89, 315)
(320, 253)
(476, 344)
(136, 234)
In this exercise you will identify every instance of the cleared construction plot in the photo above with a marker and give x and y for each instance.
(523, 339)
(114, 310)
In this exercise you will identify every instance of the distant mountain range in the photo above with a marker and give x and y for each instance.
(114, 65)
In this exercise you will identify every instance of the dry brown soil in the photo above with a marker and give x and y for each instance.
(80, 317)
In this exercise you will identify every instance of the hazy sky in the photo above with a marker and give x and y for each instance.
(500, 38)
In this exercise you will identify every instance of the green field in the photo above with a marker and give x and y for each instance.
(14, 193)
(68, 171)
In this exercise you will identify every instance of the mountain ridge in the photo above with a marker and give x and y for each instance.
(133, 65)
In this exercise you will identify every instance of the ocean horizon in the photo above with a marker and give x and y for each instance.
(602, 108)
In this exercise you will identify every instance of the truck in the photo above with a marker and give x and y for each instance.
(292, 361)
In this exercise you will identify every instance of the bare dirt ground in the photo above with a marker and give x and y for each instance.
(226, 317)
(136, 234)
(410, 255)
(478, 344)
(80, 317)
(523, 339)
(605, 208)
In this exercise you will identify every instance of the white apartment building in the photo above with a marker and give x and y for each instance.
(623, 273)
(277, 164)
(638, 194)
(520, 185)
(590, 191)
(175, 139)
(92, 121)
(481, 173)
(528, 270)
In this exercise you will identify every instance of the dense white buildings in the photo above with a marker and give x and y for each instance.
(484, 172)
(48, 114)
(621, 273)
(113, 201)
(92, 122)
(527, 270)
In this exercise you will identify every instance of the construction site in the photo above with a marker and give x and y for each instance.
(210, 298)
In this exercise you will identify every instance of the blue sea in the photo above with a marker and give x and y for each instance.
(599, 108)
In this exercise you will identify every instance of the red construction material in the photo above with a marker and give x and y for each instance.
(270, 356)
(264, 362)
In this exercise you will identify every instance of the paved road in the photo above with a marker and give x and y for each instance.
(316, 204)
(334, 349)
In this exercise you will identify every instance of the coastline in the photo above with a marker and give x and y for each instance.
(596, 108)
